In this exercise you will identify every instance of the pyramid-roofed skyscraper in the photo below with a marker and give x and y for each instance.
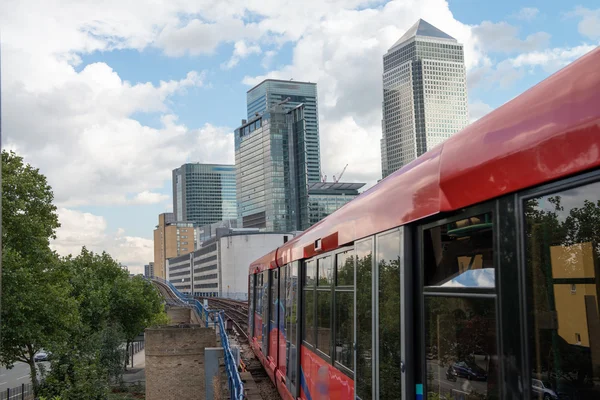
(424, 94)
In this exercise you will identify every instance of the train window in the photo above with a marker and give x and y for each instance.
(562, 233)
(344, 328)
(325, 272)
(461, 347)
(388, 266)
(310, 273)
(460, 253)
(251, 304)
(324, 321)
(291, 319)
(308, 331)
(274, 298)
(345, 269)
(324, 296)
(344, 310)
(364, 321)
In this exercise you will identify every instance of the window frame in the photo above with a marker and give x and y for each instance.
(421, 291)
(329, 358)
(571, 182)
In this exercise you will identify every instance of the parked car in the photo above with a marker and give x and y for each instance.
(466, 370)
(41, 356)
(542, 390)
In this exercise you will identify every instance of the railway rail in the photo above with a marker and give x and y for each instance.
(236, 311)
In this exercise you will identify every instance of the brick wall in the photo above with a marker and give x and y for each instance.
(178, 315)
(175, 362)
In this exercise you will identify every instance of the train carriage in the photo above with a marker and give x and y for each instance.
(471, 273)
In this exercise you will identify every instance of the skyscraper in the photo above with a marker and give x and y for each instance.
(204, 193)
(271, 164)
(270, 92)
(424, 94)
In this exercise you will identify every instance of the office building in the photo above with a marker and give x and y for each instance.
(271, 92)
(171, 239)
(205, 232)
(204, 193)
(424, 94)
(149, 270)
(326, 197)
(219, 268)
(271, 164)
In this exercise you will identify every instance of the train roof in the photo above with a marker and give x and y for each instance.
(548, 132)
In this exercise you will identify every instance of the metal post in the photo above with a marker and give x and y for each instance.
(22, 391)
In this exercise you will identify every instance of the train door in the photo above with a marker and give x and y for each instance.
(383, 317)
(273, 315)
(291, 326)
(265, 312)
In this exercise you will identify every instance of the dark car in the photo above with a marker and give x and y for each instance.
(462, 369)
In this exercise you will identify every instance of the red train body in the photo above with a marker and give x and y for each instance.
(548, 133)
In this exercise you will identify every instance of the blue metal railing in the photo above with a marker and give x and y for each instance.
(236, 386)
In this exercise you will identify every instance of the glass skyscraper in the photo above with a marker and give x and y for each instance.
(271, 164)
(424, 94)
(204, 193)
(270, 92)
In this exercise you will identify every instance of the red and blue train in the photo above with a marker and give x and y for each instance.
(471, 273)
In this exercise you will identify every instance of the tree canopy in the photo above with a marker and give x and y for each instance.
(82, 309)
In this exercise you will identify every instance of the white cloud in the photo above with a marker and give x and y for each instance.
(147, 197)
(551, 59)
(80, 229)
(589, 26)
(477, 110)
(503, 37)
(268, 59)
(240, 51)
(527, 13)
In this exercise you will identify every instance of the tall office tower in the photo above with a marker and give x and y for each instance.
(270, 92)
(271, 164)
(424, 94)
(171, 239)
(204, 193)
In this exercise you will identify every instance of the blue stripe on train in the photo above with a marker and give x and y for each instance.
(304, 385)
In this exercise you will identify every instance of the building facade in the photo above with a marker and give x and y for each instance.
(149, 270)
(171, 239)
(204, 193)
(219, 268)
(424, 94)
(271, 92)
(324, 198)
(271, 169)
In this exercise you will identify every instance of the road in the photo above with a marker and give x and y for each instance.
(19, 374)
(437, 376)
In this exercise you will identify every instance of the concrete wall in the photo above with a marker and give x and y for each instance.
(179, 315)
(237, 252)
(175, 362)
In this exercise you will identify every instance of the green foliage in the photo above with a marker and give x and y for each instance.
(81, 309)
(36, 305)
(29, 218)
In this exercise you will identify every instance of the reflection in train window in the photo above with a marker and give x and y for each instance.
(324, 321)
(563, 276)
(460, 253)
(460, 343)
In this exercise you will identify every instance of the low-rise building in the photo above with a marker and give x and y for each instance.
(219, 268)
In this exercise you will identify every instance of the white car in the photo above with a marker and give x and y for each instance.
(542, 390)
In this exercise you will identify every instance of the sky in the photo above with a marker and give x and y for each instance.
(107, 98)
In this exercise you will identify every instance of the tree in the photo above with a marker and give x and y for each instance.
(135, 305)
(36, 307)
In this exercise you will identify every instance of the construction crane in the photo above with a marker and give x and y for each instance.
(340, 177)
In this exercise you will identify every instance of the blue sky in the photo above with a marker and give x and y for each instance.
(124, 93)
